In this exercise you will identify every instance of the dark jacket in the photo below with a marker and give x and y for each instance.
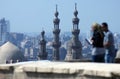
(98, 38)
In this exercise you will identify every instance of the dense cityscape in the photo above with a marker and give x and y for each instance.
(29, 44)
(58, 39)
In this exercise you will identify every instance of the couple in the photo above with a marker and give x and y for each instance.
(103, 43)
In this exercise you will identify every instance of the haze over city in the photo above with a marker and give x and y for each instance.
(33, 15)
(59, 39)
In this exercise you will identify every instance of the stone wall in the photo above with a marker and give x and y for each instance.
(59, 70)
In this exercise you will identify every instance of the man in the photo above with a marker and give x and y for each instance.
(108, 44)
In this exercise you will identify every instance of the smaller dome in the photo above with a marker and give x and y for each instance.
(75, 13)
(56, 14)
(42, 41)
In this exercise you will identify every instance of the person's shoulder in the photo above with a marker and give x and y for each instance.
(110, 33)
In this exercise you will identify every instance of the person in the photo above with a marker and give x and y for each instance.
(108, 44)
(97, 38)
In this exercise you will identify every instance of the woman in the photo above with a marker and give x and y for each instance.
(97, 38)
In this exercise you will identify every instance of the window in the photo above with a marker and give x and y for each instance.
(75, 26)
(56, 26)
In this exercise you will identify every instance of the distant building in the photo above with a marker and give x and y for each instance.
(50, 54)
(117, 40)
(62, 53)
(4, 30)
(56, 42)
(31, 53)
(74, 46)
(16, 38)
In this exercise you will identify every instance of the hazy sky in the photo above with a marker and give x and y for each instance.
(32, 15)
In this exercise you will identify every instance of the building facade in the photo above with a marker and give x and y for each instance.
(4, 30)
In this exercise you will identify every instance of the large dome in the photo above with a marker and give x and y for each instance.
(9, 52)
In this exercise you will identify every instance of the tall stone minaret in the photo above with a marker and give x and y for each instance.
(43, 53)
(56, 31)
(74, 46)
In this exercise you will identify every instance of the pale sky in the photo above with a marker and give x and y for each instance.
(33, 15)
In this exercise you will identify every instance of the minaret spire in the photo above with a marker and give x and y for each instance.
(56, 7)
(76, 12)
(75, 6)
(56, 43)
(56, 13)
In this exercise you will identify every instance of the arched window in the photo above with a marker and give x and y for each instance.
(75, 26)
(56, 26)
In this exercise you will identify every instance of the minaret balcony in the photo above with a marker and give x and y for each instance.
(56, 45)
(56, 31)
(42, 42)
(75, 31)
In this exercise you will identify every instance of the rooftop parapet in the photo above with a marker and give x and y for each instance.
(61, 70)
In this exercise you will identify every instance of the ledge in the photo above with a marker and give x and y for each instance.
(65, 68)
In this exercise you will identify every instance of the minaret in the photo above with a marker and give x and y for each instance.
(74, 45)
(43, 53)
(56, 31)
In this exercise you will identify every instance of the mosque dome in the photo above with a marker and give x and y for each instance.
(9, 52)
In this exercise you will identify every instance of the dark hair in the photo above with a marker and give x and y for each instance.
(105, 24)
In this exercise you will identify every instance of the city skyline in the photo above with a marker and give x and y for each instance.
(33, 16)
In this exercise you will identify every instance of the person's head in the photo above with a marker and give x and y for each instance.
(95, 26)
(104, 26)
